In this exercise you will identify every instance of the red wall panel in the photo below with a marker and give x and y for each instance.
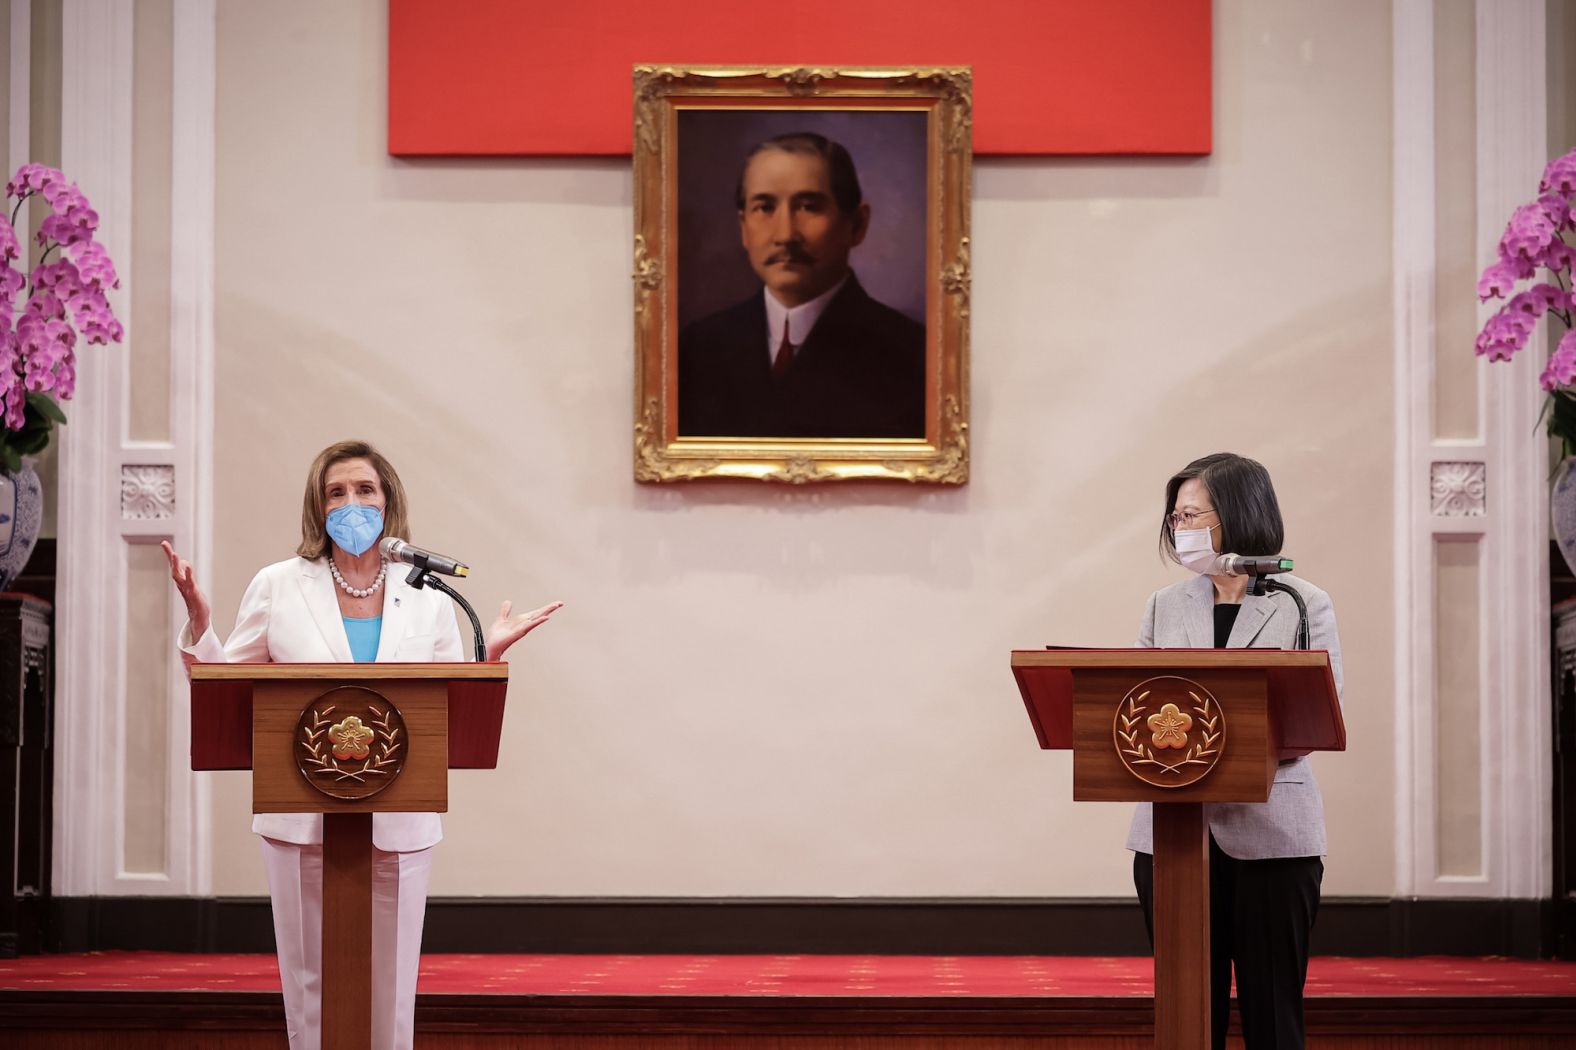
(521, 77)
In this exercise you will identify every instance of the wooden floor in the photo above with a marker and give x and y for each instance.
(254, 1021)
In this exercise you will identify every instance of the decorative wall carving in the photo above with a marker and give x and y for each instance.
(1457, 490)
(147, 491)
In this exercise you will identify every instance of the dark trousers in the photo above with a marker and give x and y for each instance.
(1260, 915)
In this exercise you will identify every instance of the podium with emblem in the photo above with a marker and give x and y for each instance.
(1180, 728)
(347, 740)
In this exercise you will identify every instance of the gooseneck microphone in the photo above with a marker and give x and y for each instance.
(423, 564)
(395, 549)
(1239, 565)
(1261, 569)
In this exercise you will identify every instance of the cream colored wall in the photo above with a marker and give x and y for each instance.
(767, 691)
(1562, 78)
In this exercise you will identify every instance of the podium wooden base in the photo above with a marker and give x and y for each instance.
(248, 716)
(1278, 705)
(1181, 922)
(347, 931)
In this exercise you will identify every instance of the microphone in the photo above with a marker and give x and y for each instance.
(1237, 565)
(395, 549)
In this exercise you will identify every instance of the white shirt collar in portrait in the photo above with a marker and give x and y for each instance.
(799, 319)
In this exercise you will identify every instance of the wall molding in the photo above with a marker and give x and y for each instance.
(98, 458)
(1357, 926)
(192, 177)
(1512, 149)
(20, 76)
(1413, 252)
(95, 148)
(1489, 490)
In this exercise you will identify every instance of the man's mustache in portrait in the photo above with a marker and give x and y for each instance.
(791, 255)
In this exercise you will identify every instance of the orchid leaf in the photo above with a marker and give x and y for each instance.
(1562, 417)
(46, 406)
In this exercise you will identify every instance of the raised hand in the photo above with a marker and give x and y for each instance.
(198, 611)
(506, 630)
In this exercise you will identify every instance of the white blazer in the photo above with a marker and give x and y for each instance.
(290, 614)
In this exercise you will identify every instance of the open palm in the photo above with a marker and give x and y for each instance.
(507, 629)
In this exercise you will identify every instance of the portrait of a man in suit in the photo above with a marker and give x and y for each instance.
(810, 354)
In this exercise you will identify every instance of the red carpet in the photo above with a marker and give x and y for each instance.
(785, 975)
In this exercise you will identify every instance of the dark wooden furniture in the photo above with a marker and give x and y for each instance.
(1562, 911)
(26, 772)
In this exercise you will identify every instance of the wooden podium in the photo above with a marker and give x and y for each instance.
(347, 740)
(1179, 728)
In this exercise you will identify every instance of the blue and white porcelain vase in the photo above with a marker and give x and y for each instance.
(21, 516)
(1562, 510)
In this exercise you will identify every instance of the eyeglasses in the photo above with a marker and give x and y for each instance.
(1184, 519)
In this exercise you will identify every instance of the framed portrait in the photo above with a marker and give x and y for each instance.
(802, 274)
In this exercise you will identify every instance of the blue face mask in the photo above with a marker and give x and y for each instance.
(355, 527)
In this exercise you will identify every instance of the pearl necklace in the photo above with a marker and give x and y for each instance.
(358, 592)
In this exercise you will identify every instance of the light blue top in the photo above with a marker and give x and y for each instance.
(362, 633)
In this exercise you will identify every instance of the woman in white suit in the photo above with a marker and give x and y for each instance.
(337, 601)
(1265, 859)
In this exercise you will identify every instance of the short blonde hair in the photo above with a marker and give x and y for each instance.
(314, 537)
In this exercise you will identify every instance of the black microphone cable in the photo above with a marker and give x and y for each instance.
(1303, 636)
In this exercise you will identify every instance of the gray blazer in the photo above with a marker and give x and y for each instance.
(1291, 823)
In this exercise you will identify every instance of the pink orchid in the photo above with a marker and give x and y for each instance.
(1561, 369)
(1496, 281)
(1560, 176)
(46, 313)
(1535, 240)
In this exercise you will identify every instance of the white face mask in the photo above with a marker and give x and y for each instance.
(1196, 551)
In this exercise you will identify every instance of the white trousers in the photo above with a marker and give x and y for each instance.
(399, 905)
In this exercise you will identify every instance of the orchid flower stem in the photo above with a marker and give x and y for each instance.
(42, 259)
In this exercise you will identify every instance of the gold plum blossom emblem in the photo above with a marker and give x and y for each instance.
(350, 743)
(1168, 728)
(1187, 731)
(350, 738)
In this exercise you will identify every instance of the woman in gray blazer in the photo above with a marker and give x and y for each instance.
(1265, 863)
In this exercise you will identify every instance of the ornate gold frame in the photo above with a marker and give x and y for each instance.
(943, 455)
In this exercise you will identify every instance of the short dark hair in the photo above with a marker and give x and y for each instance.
(1244, 498)
(839, 165)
